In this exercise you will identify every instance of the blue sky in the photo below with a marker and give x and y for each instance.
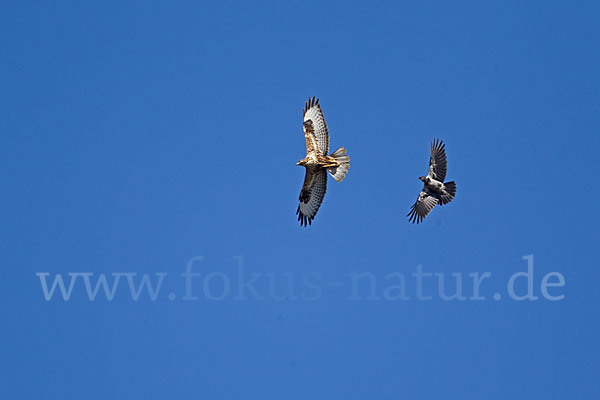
(138, 135)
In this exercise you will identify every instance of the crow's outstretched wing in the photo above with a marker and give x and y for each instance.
(437, 161)
(422, 207)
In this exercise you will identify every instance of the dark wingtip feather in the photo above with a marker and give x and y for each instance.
(437, 144)
(413, 216)
(312, 102)
(308, 104)
(303, 219)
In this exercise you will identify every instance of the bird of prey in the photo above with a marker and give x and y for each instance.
(434, 191)
(317, 162)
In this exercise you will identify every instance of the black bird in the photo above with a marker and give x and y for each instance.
(434, 191)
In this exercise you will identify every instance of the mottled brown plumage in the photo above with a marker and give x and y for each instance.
(317, 162)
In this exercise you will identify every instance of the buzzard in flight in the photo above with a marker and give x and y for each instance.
(317, 162)
(434, 191)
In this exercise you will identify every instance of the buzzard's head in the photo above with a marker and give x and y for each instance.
(302, 163)
(423, 178)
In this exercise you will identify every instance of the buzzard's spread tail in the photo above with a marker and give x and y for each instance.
(339, 173)
(449, 194)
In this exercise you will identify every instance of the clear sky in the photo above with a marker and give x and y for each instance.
(135, 136)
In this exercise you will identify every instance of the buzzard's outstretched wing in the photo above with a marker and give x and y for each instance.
(422, 207)
(315, 128)
(312, 194)
(437, 161)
